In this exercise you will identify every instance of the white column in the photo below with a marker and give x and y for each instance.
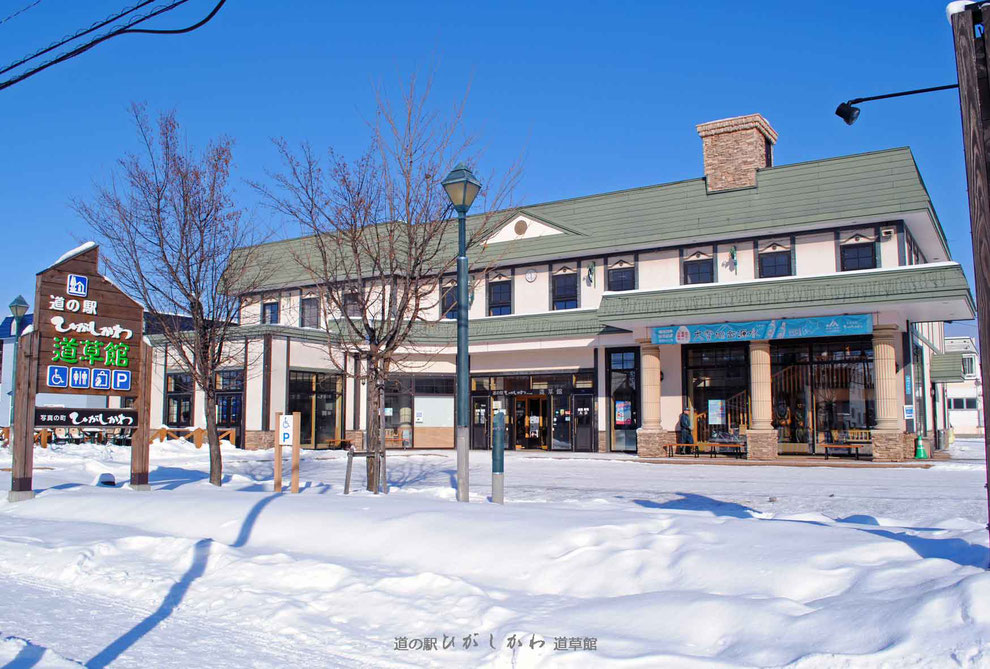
(759, 378)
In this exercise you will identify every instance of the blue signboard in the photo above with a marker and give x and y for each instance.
(789, 328)
(77, 285)
(58, 376)
(101, 379)
(79, 377)
(121, 379)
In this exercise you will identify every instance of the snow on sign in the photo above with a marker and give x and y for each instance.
(285, 430)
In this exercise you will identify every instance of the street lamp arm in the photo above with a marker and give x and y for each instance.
(903, 93)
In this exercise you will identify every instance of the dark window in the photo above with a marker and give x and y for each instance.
(178, 400)
(499, 298)
(269, 313)
(435, 385)
(962, 403)
(352, 305)
(230, 380)
(699, 271)
(448, 302)
(309, 312)
(768, 152)
(858, 256)
(565, 291)
(621, 278)
(969, 365)
(777, 263)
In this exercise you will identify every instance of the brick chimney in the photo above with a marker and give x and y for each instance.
(734, 148)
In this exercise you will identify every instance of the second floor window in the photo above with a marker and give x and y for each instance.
(565, 291)
(352, 305)
(969, 366)
(773, 264)
(858, 256)
(699, 271)
(269, 313)
(309, 312)
(621, 278)
(448, 302)
(499, 298)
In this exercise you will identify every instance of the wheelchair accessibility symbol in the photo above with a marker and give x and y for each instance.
(58, 376)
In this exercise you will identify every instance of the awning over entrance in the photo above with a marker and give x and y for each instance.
(920, 293)
(947, 367)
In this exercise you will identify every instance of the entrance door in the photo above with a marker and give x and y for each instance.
(581, 418)
(561, 428)
(479, 423)
(531, 422)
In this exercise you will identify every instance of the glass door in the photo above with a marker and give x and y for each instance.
(581, 418)
(479, 423)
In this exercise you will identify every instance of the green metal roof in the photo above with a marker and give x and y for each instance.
(882, 183)
(841, 291)
(947, 367)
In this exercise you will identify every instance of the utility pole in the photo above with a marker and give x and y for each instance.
(974, 100)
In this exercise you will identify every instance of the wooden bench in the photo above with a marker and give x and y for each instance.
(737, 449)
(853, 440)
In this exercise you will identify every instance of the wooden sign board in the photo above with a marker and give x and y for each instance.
(88, 339)
(91, 331)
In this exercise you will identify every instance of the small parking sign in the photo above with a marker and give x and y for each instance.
(77, 285)
(58, 376)
(285, 425)
(121, 379)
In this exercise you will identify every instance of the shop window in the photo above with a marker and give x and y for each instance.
(622, 377)
(499, 298)
(621, 278)
(318, 397)
(269, 313)
(584, 380)
(309, 312)
(717, 390)
(435, 385)
(962, 403)
(448, 302)
(178, 400)
(969, 366)
(699, 271)
(565, 291)
(858, 256)
(229, 380)
(774, 264)
(352, 305)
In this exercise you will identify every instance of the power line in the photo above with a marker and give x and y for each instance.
(20, 11)
(125, 29)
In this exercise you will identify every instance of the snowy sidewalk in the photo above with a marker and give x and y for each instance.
(660, 565)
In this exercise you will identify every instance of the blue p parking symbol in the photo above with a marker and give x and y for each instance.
(121, 379)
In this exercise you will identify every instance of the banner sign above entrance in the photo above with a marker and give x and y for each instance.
(789, 328)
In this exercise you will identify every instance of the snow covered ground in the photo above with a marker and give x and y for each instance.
(636, 564)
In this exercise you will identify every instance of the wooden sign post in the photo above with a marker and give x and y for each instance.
(88, 339)
(287, 434)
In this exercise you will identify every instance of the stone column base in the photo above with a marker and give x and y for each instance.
(654, 443)
(761, 445)
(257, 440)
(602, 441)
(888, 445)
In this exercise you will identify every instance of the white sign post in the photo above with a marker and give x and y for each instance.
(287, 435)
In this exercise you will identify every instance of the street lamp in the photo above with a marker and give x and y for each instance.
(848, 113)
(462, 187)
(18, 308)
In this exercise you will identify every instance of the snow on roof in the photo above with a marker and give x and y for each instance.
(73, 253)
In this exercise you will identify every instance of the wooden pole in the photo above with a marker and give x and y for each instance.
(140, 437)
(296, 420)
(22, 446)
(278, 454)
(974, 101)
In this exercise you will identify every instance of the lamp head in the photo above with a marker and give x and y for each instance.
(847, 113)
(461, 187)
(18, 307)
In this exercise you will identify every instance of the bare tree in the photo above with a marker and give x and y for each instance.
(170, 226)
(381, 235)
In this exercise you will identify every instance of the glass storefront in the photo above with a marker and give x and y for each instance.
(318, 397)
(622, 377)
(820, 389)
(548, 411)
(716, 383)
(230, 402)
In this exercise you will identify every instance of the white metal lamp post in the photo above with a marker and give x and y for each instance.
(462, 187)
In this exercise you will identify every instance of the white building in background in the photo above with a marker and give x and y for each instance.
(7, 338)
(965, 398)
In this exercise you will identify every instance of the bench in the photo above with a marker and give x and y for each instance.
(736, 448)
(852, 440)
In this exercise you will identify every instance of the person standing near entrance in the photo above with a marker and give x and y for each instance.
(684, 434)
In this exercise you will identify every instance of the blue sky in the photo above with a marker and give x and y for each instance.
(594, 96)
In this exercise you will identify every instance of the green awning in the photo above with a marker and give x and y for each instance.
(947, 367)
